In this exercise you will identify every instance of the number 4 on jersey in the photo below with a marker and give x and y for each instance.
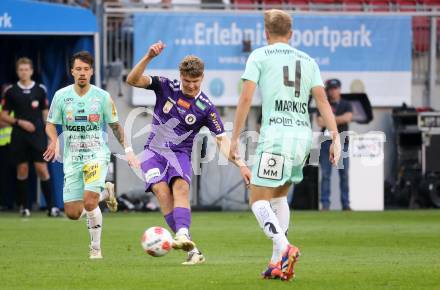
(295, 84)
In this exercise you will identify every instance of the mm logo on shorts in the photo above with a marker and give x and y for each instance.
(271, 166)
(92, 172)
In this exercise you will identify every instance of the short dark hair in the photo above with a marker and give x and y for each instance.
(83, 56)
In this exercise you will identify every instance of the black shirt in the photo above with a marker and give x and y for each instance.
(27, 102)
(339, 109)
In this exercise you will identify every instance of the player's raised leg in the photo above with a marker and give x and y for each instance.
(182, 215)
(166, 201)
(108, 195)
(182, 218)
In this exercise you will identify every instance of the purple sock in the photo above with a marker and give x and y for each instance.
(182, 218)
(169, 218)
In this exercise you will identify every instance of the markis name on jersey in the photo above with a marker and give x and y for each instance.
(291, 106)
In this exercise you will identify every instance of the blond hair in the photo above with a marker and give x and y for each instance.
(277, 22)
(191, 66)
(23, 60)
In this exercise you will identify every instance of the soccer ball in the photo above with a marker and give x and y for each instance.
(156, 241)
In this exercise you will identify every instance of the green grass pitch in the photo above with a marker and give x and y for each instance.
(340, 250)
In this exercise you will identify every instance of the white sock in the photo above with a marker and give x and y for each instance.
(94, 224)
(282, 211)
(182, 231)
(103, 195)
(195, 251)
(269, 223)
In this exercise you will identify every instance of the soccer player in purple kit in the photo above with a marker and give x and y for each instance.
(181, 110)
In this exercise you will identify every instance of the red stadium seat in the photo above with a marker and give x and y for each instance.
(406, 5)
(244, 4)
(325, 2)
(353, 5)
(379, 5)
(326, 5)
(421, 33)
(269, 4)
(299, 4)
(430, 2)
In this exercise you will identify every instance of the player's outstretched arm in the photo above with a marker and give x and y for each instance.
(241, 114)
(224, 145)
(136, 77)
(118, 132)
(328, 117)
(52, 151)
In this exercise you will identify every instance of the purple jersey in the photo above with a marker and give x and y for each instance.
(179, 118)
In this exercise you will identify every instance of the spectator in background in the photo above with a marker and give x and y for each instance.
(7, 176)
(343, 113)
(28, 101)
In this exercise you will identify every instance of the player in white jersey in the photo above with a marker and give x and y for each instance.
(286, 78)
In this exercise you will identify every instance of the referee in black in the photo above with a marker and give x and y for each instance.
(28, 101)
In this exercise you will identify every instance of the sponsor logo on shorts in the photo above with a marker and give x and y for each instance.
(271, 166)
(190, 119)
(151, 173)
(92, 172)
(183, 104)
(93, 117)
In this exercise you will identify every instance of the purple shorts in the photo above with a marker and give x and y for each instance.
(165, 166)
